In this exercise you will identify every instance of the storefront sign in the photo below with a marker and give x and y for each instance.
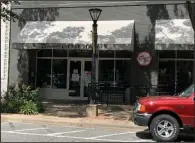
(144, 58)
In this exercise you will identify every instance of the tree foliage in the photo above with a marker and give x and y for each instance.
(6, 13)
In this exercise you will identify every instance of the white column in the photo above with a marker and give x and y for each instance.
(5, 29)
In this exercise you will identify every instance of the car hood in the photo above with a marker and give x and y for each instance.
(159, 98)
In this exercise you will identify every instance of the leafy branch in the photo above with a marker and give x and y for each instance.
(6, 13)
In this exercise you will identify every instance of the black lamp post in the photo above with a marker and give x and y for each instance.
(95, 13)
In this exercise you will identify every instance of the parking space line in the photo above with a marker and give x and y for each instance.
(21, 133)
(54, 134)
(62, 126)
(34, 134)
(112, 135)
(30, 129)
(143, 141)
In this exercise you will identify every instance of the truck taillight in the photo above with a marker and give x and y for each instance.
(142, 108)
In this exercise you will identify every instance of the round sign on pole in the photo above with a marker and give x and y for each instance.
(144, 58)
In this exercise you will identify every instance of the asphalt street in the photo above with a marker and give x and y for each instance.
(31, 132)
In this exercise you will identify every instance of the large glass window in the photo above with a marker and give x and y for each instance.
(44, 73)
(167, 54)
(59, 73)
(80, 53)
(106, 53)
(59, 53)
(122, 71)
(167, 77)
(114, 71)
(175, 71)
(106, 70)
(45, 53)
(123, 54)
(46, 63)
(184, 74)
(185, 54)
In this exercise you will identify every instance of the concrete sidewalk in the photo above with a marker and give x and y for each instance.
(86, 121)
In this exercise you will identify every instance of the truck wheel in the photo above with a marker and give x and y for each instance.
(164, 128)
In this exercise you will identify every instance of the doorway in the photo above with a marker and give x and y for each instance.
(79, 73)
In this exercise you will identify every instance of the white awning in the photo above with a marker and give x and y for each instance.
(76, 32)
(175, 34)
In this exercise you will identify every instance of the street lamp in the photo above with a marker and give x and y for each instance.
(95, 13)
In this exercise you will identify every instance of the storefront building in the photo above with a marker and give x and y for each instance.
(148, 45)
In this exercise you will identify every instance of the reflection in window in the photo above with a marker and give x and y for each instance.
(183, 54)
(45, 53)
(123, 54)
(167, 77)
(106, 70)
(59, 73)
(80, 53)
(184, 74)
(59, 52)
(167, 54)
(106, 53)
(44, 73)
(187, 54)
(122, 71)
(118, 73)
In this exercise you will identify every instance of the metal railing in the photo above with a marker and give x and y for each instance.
(107, 93)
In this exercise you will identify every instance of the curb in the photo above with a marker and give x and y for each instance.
(90, 123)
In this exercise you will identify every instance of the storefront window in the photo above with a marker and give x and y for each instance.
(59, 73)
(166, 77)
(188, 54)
(44, 73)
(80, 53)
(184, 74)
(59, 53)
(175, 73)
(106, 71)
(167, 54)
(122, 71)
(114, 71)
(45, 53)
(106, 53)
(123, 54)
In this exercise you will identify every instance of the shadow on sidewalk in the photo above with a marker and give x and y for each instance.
(77, 109)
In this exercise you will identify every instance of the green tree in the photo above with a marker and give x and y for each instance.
(6, 13)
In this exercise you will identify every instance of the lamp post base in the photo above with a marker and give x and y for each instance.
(92, 110)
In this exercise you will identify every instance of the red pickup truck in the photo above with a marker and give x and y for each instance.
(166, 115)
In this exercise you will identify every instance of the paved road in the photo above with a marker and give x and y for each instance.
(26, 132)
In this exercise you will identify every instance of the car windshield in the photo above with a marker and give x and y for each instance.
(188, 91)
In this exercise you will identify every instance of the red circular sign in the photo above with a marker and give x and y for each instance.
(144, 58)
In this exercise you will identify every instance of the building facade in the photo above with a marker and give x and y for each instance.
(140, 45)
(5, 34)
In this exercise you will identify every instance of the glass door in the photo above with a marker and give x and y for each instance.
(79, 77)
(75, 72)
